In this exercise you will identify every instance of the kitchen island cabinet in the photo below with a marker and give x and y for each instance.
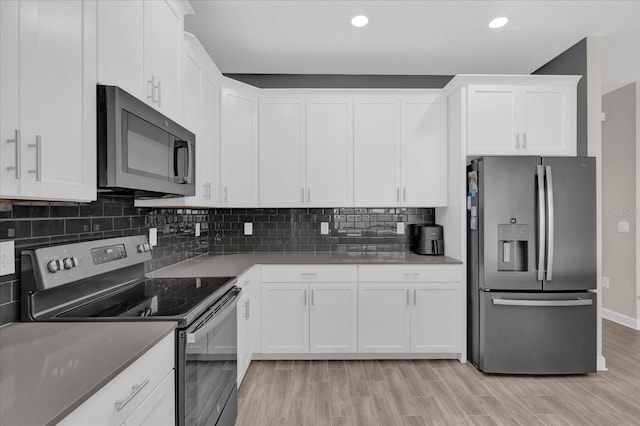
(67, 366)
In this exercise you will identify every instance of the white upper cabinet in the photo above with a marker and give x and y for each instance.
(239, 145)
(282, 152)
(329, 152)
(536, 116)
(48, 102)
(424, 153)
(376, 151)
(201, 92)
(140, 48)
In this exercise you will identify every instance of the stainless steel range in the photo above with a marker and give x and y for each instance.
(104, 280)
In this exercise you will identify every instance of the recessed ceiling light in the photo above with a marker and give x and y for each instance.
(498, 22)
(359, 21)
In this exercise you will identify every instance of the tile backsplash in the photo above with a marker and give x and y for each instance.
(37, 224)
(351, 230)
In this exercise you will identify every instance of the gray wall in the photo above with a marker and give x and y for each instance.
(340, 81)
(619, 194)
(573, 61)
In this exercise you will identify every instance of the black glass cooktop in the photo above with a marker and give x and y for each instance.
(160, 298)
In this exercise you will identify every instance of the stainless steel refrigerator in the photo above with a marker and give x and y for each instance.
(531, 228)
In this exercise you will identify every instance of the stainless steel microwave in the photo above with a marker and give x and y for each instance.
(141, 151)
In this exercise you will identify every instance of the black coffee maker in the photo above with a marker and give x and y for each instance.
(427, 239)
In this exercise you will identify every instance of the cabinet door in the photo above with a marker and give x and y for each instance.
(10, 152)
(210, 139)
(424, 153)
(281, 147)
(121, 45)
(285, 318)
(492, 120)
(376, 152)
(329, 152)
(159, 407)
(163, 37)
(239, 158)
(244, 349)
(435, 318)
(333, 317)
(383, 317)
(57, 100)
(549, 120)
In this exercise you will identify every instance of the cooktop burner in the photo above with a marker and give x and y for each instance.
(160, 297)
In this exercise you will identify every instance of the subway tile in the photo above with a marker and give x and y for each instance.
(101, 224)
(41, 228)
(64, 210)
(5, 293)
(112, 209)
(90, 209)
(30, 211)
(14, 229)
(76, 226)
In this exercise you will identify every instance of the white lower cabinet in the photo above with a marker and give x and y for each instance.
(417, 309)
(383, 320)
(248, 319)
(143, 394)
(309, 309)
(285, 318)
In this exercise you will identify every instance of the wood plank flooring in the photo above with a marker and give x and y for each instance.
(443, 392)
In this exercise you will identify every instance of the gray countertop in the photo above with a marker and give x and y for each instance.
(223, 265)
(49, 369)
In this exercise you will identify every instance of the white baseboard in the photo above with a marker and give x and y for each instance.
(601, 364)
(621, 319)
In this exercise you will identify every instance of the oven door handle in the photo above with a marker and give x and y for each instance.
(203, 327)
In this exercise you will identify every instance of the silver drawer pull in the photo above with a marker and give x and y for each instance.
(518, 302)
(414, 274)
(309, 273)
(134, 391)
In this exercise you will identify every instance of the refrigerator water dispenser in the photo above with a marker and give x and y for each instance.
(513, 241)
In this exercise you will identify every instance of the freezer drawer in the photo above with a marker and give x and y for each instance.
(537, 333)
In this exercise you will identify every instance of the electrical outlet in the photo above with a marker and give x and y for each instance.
(605, 282)
(324, 228)
(197, 229)
(153, 237)
(7, 258)
(400, 228)
(623, 227)
(248, 228)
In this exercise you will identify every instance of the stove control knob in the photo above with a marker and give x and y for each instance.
(74, 261)
(52, 266)
(140, 248)
(146, 247)
(68, 263)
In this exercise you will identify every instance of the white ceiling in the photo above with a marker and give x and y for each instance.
(414, 37)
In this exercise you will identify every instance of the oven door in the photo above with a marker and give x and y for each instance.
(207, 365)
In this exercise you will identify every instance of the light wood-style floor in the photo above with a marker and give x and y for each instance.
(442, 392)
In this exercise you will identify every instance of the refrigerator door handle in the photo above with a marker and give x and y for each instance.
(518, 302)
(541, 221)
(550, 230)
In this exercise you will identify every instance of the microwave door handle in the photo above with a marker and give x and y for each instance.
(177, 145)
(191, 155)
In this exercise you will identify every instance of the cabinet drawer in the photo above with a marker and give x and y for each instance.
(306, 274)
(410, 273)
(146, 373)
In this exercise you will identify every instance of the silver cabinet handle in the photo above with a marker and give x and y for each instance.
(305, 297)
(16, 140)
(543, 303)
(38, 147)
(208, 190)
(404, 194)
(225, 193)
(159, 87)
(415, 297)
(302, 194)
(134, 391)
(517, 140)
(248, 308)
(408, 303)
(151, 85)
(398, 194)
(308, 194)
(541, 221)
(524, 140)
(312, 297)
(309, 273)
(550, 224)
(411, 274)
